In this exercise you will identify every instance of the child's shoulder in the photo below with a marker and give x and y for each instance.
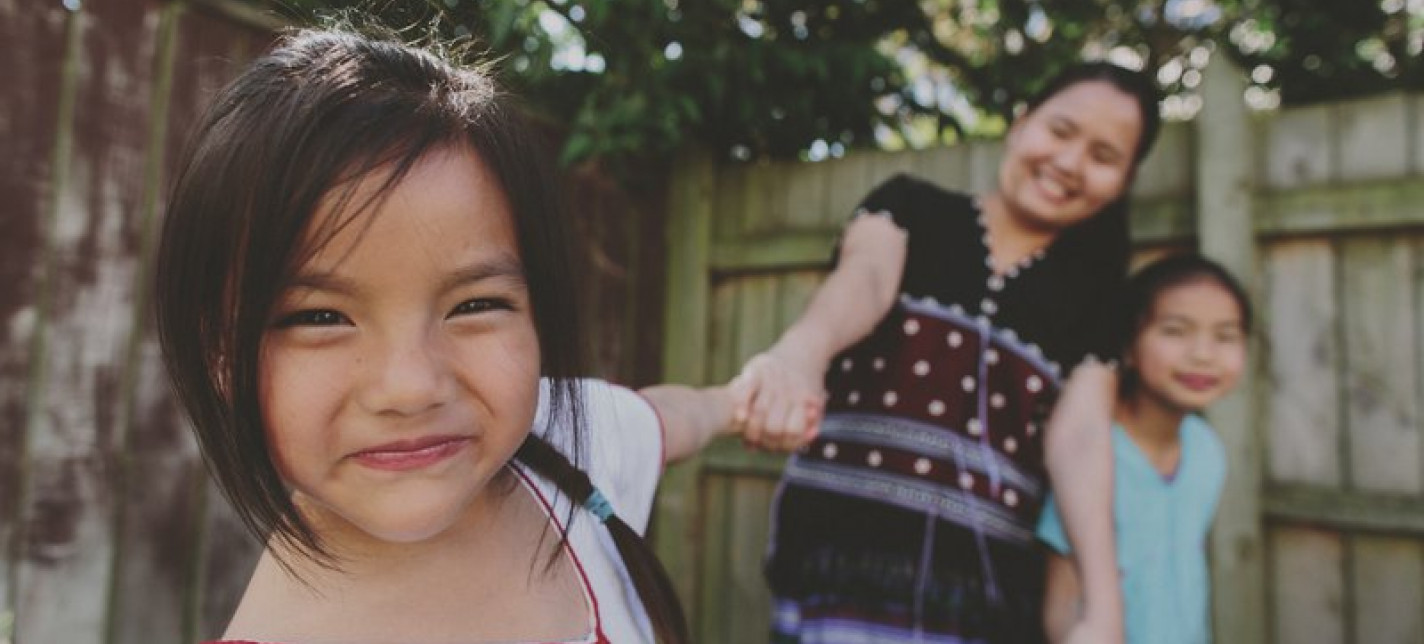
(1199, 437)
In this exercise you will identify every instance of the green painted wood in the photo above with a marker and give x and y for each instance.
(748, 600)
(714, 580)
(1341, 208)
(675, 537)
(244, 13)
(1394, 514)
(1225, 233)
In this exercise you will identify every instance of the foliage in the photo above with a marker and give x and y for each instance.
(637, 79)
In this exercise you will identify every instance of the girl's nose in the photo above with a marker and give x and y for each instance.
(407, 378)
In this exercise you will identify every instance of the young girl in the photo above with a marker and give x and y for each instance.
(938, 345)
(366, 303)
(1189, 321)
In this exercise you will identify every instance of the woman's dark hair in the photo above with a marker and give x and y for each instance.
(1147, 285)
(1101, 244)
(303, 123)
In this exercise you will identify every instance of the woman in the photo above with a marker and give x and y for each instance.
(949, 328)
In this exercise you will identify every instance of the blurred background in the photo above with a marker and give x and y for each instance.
(713, 148)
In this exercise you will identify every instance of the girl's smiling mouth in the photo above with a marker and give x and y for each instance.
(1198, 382)
(412, 454)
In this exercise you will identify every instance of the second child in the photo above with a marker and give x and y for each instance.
(1189, 321)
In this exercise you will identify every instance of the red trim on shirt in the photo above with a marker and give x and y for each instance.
(568, 547)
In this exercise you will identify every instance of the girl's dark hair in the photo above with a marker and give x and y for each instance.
(319, 111)
(1101, 244)
(1148, 284)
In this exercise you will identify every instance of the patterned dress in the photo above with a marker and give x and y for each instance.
(910, 518)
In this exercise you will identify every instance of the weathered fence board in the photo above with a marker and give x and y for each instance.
(30, 111)
(1299, 317)
(92, 265)
(1308, 586)
(1299, 148)
(1371, 142)
(1389, 589)
(1381, 359)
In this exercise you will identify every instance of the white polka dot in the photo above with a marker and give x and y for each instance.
(853, 397)
(847, 364)
(912, 327)
(974, 426)
(967, 383)
(996, 282)
(1011, 445)
(966, 480)
(1011, 498)
(922, 466)
(991, 356)
(936, 408)
(955, 339)
(891, 398)
(922, 368)
(830, 451)
(988, 306)
(996, 401)
(878, 364)
(873, 458)
(1035, 384)
(1031, 429)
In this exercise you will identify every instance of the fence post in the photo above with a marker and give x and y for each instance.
(1225, 172)
(689, 237)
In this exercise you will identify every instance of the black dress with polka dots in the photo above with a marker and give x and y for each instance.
(910, 517)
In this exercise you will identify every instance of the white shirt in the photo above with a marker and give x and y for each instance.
(623, 456)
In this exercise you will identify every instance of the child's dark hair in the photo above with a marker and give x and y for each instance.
(1102, 243)
(1148, 284)
(320, 110)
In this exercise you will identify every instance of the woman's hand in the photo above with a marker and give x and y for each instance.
(778, 401)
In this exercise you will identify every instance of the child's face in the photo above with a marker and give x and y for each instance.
(1192, 349)
(401, 370)
(1071, 155)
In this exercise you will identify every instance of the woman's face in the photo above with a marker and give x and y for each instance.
(400, 370)
(1070, 156)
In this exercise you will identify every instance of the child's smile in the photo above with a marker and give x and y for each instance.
(401, 369)
(1193, 348)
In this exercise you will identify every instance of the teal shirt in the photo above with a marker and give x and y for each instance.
(1162, 527)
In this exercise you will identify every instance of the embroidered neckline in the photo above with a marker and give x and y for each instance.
(996, 280)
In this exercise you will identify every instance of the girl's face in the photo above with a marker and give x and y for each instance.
(400, 371)
(1192, 348)
(1070, 156)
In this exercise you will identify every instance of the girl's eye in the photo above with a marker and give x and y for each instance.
(480, 305)
(312, 317)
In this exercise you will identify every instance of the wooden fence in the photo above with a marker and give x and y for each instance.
(109, 529)
(1319, 209)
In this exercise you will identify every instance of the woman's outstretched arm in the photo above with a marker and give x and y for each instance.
(779, 395)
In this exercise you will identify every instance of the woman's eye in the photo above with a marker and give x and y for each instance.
(479, 305)
(312, 317)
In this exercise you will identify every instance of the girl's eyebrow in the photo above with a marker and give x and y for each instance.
(503, 266)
